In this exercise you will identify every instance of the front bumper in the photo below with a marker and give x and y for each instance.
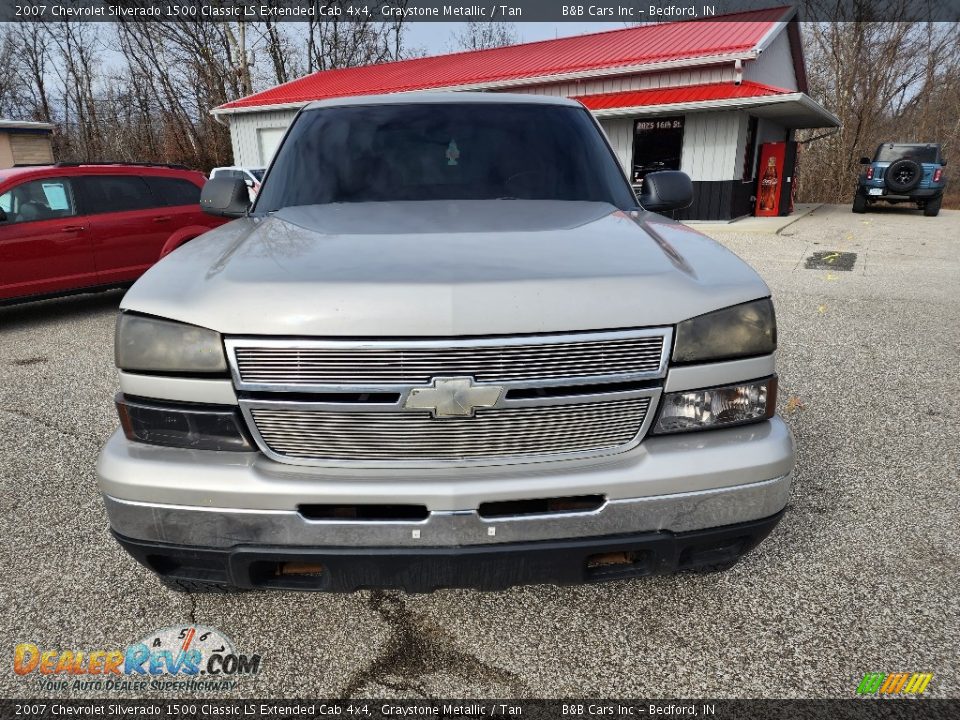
(220, 516)
(915, 194)
(224, 528)
(490, 567)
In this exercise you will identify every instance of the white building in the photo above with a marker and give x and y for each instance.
(697, 96)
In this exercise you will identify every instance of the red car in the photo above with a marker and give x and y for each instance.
(75, 228)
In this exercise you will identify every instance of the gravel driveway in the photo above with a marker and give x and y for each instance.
(862, 574)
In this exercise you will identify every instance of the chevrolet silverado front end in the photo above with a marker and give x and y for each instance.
(445, 348)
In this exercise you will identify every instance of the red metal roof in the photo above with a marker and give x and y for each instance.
(677, 95)
(633, 46)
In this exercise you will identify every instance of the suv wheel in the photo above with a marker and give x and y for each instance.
(903, 175)
(859, 203)
(932, 207)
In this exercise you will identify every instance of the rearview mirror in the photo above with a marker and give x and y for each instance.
(225, 197)
(864, 161)
(666, 190)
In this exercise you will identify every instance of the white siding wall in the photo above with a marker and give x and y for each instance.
(620, 133)
(711, 141)
(774, 66)
(245, 137)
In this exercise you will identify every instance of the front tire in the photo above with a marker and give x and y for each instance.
(859, 203)
(932, 207)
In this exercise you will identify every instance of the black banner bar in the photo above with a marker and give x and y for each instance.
(626, 11)
(853, 709)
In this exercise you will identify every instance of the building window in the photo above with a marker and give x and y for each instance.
(750, 150)
(657, 145)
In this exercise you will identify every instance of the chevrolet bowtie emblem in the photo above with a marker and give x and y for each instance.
(453, 397)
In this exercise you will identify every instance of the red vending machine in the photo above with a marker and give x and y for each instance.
(775, 184)
(770, 172)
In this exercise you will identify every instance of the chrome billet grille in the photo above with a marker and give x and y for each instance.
(309, 364)
(514, 432)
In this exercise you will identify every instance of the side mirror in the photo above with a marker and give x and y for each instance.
(943, 162)
(666, 190)
(864, 161)
(225, 197)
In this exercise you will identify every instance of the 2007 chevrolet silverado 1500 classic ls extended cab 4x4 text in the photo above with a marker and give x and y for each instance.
(446, 347)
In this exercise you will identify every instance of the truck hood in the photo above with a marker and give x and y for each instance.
(438, 268)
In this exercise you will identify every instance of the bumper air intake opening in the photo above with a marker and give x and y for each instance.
(699, 557)
(619, 565)
(367, 513)
(195, 566)
(288, 575)
(542, 506)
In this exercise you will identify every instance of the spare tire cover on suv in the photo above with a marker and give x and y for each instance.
(903, 175)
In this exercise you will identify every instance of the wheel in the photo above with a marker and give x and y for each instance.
(903, 175)
(859, 203)
(198, 586)
(932, 207)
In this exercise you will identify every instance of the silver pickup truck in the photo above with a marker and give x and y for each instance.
(445, 347)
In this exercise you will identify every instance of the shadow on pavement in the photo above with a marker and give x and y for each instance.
(58, 309)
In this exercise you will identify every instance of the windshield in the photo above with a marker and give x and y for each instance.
(431, 151)
(920, 153)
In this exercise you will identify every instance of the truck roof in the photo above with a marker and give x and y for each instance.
(407, 98)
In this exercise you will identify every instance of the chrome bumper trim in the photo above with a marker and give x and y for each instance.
(227, 527)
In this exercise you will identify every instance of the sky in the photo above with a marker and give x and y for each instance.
(438, 37)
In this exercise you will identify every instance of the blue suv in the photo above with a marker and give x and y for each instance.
(903, 172)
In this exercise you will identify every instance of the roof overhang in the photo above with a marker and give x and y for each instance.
(25, 125)
(792, 110)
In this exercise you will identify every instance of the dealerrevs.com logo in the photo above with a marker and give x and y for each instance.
(179, 658)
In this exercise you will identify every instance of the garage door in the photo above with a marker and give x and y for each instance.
(31, 149)
(269, 139)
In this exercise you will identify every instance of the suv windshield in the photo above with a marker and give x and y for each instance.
(920, 153)
(456, 151)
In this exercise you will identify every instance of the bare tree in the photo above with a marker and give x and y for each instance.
(480, 35)
(334, 42)
(885, 81)
(26, 56)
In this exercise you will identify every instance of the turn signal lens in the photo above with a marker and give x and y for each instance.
(717, 407)
(196, 427)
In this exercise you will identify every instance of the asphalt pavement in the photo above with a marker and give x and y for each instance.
(861, 576)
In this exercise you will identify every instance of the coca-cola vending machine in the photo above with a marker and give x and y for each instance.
(775, 183)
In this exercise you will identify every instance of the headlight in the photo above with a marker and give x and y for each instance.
(738, 331)
(717, 407)
(152, 345)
